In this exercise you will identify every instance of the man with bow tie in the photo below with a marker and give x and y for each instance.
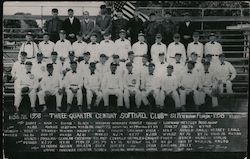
(158, 47)
(119, 24)
(161, 65)
(94, 48)
(198, 67)
(57, 65)
(214, 48)
(102, 67)
(150, 85)
(87, 27)
(18, 69)
(29, 46)
(73, 83)
(140, 48)
(143, 67)
(72, 26)
(39, 66)
(46, 46)
(112, 85)
(188, 85)
(226, 73)
(26, 84)
(178, 65)
(131, 59)
(123, 46)
(50, 86)
(79, 47)
(84, 64)
(120, 65)
(67, 63)
(169, 86)
(131, 86)
(63, 46)
(176, 47)
(195, 46)
(107, 46)
(92, 83)
(208, 85)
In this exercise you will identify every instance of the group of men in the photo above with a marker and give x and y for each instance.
(121, 69)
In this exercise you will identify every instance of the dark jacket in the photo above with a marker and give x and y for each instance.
(53, 25)
(117, 25)
(87, 28)
(184, 30)
(103, 24)
(74, 28)
(135, 26)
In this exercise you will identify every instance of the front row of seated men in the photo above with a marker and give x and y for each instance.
(121, 80)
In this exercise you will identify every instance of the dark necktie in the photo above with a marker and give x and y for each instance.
(22, 63)
(189, 72)
(106, 41)
(29, 43)
(222, 64)
(195, 43)
(151, 74)
(46, 43)
(93, 43)
(169, 75)
(178, 62)
(62, 40)
(28, 72)
(206, 72)
(130, 73)
(86, 62)
(92, 73)
(162, 62)
(122, 40)
(39, 62)
(176, 43)
(113, 73)
(141, 43)
(158, 43)
(79, 42)
(212, 42)
(54, 63)
(50, 74)
(73, 71)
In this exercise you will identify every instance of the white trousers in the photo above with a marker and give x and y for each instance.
(155, 93)
(228, 86)
(185, 92)
(41, 97)
(18, 97)
(90, 93)
(71, 95)
(208, 91)
(131, 91)
(175, 96)
(117, 92)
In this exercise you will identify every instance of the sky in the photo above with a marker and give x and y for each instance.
(41, 7)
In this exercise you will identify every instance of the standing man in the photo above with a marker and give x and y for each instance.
(107, 46)
(72, 26)
(93, 48)
(151, 29)
(186, 29)
(27, 84)
(131, 86)
(39, 66)
(179, 66)
(119, 24)
(195, 46)
(29, 46)
(176, 47)
(87, 27)
(112, 85)
(92, 83)
(123, 46)
(73, 83)
(103, 23)
(63, 46)
(50, 86)
(214, 48)
(167, 28)
(103, 67)
(53, 26)
(135, 26)
(140, 48)
(79, 46)
(157, 48)
(46, 46)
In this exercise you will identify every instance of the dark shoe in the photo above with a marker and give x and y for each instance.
(33, 110)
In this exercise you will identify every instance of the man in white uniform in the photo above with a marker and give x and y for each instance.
(46, 47)
(196, 47)
(157, 48)
(79, 46)
(140, 48)
(93, 48)
(107, 46)
(63, 46)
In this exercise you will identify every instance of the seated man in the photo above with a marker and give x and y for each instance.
(131, 86)
(26, 84)
(73, 83)
(112, 85)
(150, 86)
(50, 86)
(92, 83)
(226, 73)
(169, 86)
(208, 85)
(189, 84)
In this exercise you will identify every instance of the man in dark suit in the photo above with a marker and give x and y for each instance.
(119, 24)
(103, 23)
(135, 26)
(87, 27)
(53, 26)
(72, 26)
(186, 30)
